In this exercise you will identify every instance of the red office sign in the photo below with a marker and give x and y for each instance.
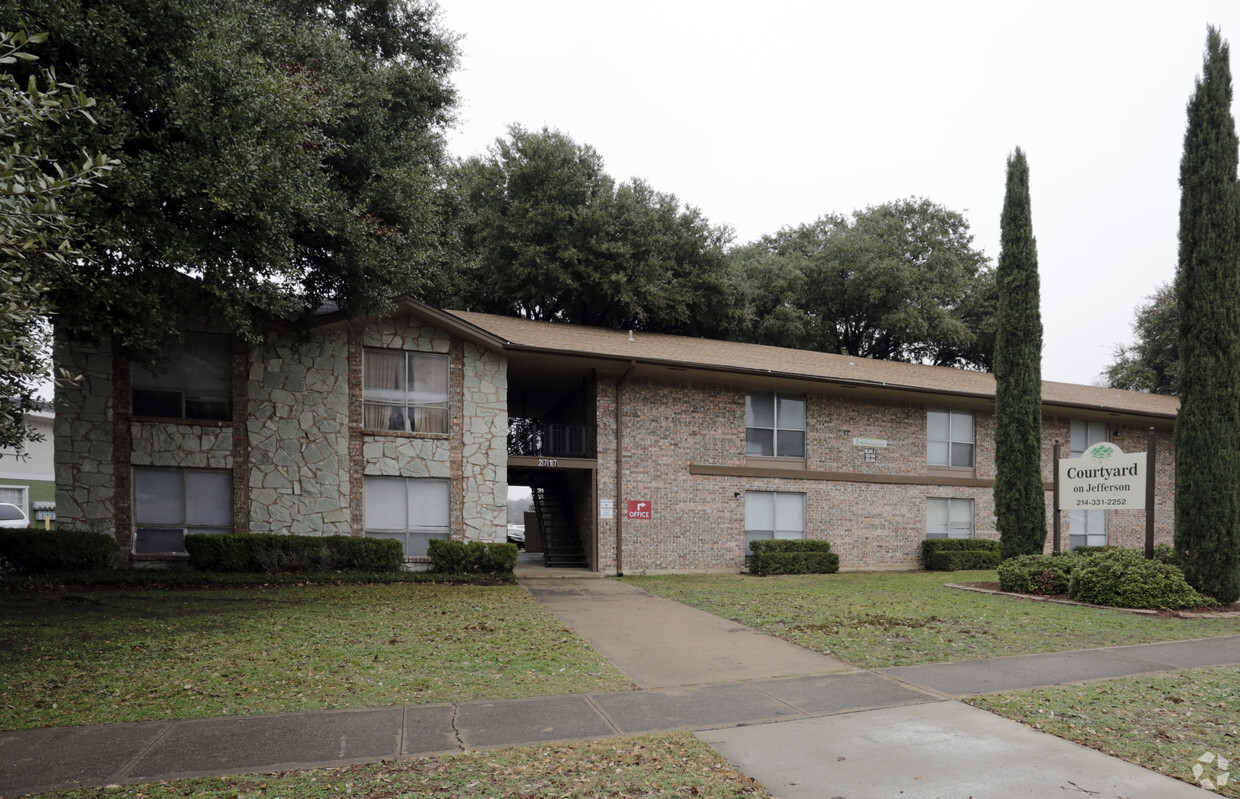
(639, 509)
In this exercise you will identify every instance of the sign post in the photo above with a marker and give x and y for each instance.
(1055, 501)
(1149, 490)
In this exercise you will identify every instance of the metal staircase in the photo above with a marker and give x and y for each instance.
(561, 540)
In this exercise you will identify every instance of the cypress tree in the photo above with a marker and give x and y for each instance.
(1207, 428)
(1020, 499)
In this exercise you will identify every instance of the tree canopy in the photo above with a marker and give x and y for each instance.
(285, 152)
(1152, 363)
(35, 231)
(899, 281)
(548, 234)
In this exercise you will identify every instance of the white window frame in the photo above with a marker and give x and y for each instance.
(414, 534)
(24, 504)
(1086, 527)
(179, 379)
(950, 528)
(792, 528)
(779, 424)
(409, 405)
(185, 526)
(956, 425)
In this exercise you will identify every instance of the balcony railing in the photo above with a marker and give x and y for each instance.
(550, 439)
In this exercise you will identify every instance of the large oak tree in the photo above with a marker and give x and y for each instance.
(287, 153)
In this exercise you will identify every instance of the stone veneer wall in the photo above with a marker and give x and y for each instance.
(83, 438)
(474, 455)
(699, 519)
(484, 445)
(298, 429)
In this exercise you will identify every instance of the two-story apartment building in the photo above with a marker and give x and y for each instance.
(645, 451)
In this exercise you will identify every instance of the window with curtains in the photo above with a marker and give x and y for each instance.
(411, 510)
(405, 391)
(949, 518)
(773, 514)
(169, 504)
(193, 380)
(949, 437)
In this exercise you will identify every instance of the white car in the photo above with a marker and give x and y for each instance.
(12, 516)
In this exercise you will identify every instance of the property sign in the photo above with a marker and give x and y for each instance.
(869, 443)
(607, 509)
(1103, 478)
(639, 509)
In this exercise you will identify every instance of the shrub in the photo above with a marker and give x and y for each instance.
(1085, 550)
(1037, 574)
(56, 550)
(472, 557)
(1163, 553)
(793, 557)
(1123, 578)
(955, 554)
(264, 552)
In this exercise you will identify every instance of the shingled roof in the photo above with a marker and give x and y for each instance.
(731, 356)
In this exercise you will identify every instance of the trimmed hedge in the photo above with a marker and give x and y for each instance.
(473, 557)
(1037, 574)
(793, 557)
(168, 579)
(1086, 550)
(1163, 553)
(56, 550)
(957, 554)
(1123, 578)
(268, 553)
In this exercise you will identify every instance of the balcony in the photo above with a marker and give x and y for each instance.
(549, 439)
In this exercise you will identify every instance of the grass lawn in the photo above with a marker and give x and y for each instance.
(874, 620)
(673, 765)
(1164, 723)
(70, 658)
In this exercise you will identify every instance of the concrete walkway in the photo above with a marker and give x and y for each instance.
(839, 728)
(659, 643)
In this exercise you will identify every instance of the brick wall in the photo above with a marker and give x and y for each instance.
(699, 517)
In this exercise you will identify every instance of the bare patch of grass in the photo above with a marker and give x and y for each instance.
(110, 656)
(874, 620)
(1164, 723)
(673, 765)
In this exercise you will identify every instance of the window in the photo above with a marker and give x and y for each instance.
(192, 381)
(1086, 527)
(412, 510)
(949, 518)
(172, 503)
(774, 424)
(949, 437)
(405, 391)
(14, 495)
(773, 514)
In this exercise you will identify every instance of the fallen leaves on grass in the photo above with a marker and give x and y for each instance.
(1163, 723)
(167, 654)
(672, 765)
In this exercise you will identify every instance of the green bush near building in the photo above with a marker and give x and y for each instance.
(267, 553)
(31, 551)
(793, 557)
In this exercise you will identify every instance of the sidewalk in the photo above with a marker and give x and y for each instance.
(833, 709)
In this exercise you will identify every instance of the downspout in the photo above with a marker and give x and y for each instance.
(620, 471)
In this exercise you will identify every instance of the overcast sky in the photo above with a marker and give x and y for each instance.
(771, 114)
